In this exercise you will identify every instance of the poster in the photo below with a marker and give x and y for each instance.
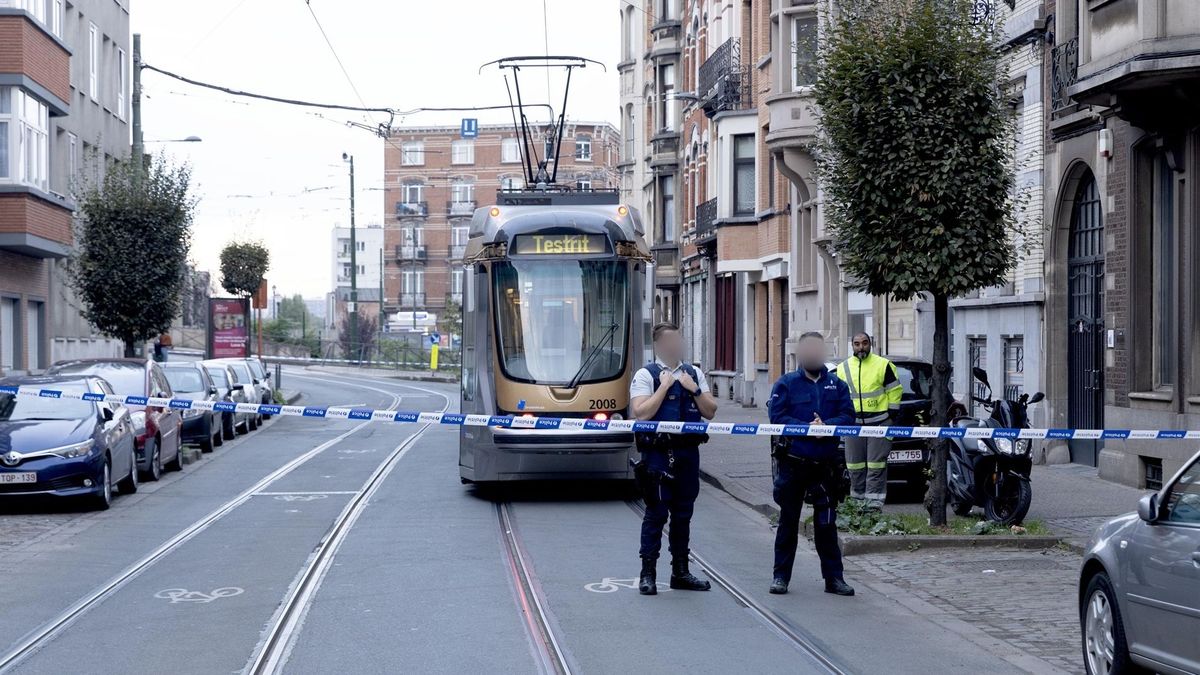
(229, 336)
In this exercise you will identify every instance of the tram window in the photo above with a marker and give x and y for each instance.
(552, 316)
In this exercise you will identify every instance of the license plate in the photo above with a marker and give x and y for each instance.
(27, 477)
(905, 456)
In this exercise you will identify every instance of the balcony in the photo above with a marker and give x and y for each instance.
(706, 221)
(666, 265)
(456, 298)
(1064, 72)
(461, 207)
(666, 35)
(410, 253)
(664, 148)
(724, 82)
(457, 252)
(412, 300)
(412, 209)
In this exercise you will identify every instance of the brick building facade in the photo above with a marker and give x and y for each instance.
(433, 182)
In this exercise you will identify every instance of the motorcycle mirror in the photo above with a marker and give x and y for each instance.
(1037, 397)
(980, 374)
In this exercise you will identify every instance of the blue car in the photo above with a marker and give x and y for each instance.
(63, 447)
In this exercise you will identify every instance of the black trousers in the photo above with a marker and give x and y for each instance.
(673, 498)
(797, 481)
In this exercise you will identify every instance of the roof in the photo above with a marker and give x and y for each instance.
(19, 380)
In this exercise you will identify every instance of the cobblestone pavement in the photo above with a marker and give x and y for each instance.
(28, 530)
(1024, 598)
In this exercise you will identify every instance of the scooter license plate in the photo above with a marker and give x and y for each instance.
(905, 456)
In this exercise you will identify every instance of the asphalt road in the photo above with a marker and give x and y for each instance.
(324, 546)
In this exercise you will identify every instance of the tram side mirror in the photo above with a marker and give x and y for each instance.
(981, 375)
(1036, 398)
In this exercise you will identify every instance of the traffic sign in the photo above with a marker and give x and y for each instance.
(435, 338)
(470, 127)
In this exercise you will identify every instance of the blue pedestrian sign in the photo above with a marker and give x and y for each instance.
(435, 338)
(470, 128)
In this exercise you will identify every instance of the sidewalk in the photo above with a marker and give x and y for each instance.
(1070, 499)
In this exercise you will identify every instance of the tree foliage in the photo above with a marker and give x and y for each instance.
(915, 162)
(243, 265)
(131, 250)
(368, 330)
(450, 321)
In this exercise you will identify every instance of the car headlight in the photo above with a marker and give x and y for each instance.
(1004, 445)
(192, 413)
(139, 422)
(72, 451)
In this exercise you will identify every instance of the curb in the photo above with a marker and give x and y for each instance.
(740, 494)
(190, 454)
(861, 545)
(398, 375)
(295, 396)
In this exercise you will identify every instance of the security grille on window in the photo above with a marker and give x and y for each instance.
(510, 150)
(412, 154)
(1014, 366)
(462, 152)
(1165, 275)
(743, 175)
(583, 148)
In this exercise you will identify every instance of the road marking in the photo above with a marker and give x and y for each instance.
(176, 595)
(610, 585)
(300, 498)
(300, 492)
(358, 452)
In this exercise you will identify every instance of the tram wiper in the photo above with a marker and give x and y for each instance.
(612, 330)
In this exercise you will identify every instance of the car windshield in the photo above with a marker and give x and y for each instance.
(127, 379)
(219, 377)
(554, 315)
(185, 380)
(242, 370)
(257, 368)
(18, 408)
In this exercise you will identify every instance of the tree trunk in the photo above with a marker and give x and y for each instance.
(935, 500)
(130, 348)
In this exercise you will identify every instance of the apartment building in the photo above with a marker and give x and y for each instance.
(1121, 235)
(434, 179)
(368, 259)
(64, 104)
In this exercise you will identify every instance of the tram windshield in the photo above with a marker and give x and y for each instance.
(554, 316)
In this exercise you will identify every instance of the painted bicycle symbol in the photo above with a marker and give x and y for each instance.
(176, 595)
(610, 585)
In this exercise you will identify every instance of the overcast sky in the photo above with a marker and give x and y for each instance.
(274, 172)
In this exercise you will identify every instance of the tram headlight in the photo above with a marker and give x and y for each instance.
(622, 211)
(600, 416)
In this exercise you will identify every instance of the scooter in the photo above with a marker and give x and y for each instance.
(993, 473)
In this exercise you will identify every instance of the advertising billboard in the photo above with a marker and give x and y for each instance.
(228, 333)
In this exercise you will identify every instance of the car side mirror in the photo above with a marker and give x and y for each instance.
(981, 375)
(1147, 508)
(1038, 397)
(238, 387)
(212, 391)
(108, 414)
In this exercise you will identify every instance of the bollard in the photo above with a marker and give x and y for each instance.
(278, 376)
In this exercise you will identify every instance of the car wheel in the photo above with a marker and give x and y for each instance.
(251, 423)
(176, 464)
(207, 444)
(1105, 651)
(129, 485)
(155, 469)
(227, 427)
(103, 498)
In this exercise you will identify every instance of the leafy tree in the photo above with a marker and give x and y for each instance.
(368, 328)
(450, 322)
(131, 250)
(243, 265)
(915, 161)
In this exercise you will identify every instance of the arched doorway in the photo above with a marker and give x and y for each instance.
(1085, 312)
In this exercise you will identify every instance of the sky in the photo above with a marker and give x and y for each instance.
(274, 173)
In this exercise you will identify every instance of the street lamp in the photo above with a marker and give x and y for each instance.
(275, 300)
(353, 308)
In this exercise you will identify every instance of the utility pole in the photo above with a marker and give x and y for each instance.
(382, 314)
(139, 146)
(353, 264)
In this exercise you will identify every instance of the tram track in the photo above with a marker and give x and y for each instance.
(44, 634)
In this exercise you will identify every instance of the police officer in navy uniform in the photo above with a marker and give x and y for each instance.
(669, 390)
(809, 468)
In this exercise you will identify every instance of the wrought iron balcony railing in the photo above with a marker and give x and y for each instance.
(1064, 66)
(461, 207)
(409, 209)
(724, 82)
(412, 300)
(706, 219)
(457, 252)
(408, 252)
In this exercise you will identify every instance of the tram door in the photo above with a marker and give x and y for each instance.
(1085, 342)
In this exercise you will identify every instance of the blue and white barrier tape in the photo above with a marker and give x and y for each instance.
(587, 424)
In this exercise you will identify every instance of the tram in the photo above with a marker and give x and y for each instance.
(554, 324)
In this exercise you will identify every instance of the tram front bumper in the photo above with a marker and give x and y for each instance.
(492, 454)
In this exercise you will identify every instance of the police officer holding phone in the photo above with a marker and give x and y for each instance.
(809, 468)
(668, 474)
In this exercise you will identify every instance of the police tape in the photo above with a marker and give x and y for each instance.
(531, 422)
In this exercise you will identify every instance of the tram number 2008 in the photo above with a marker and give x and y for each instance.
(603, 403)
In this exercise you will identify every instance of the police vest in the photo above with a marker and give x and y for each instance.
(679, 405)
(865, 377)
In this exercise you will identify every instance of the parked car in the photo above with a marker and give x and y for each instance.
(190, 380)
(1139, 585)
(262, 377)
(255, 388)
(64, 447)
(158, 430)
(230, 390)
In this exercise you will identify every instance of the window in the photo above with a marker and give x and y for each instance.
(726, 344)
(412, 193)
(37, 8)
(456, 282)
(667, 195)
(512, 183)
(1165, 293)
(94, 62)
(804, 52)
(743, 175)
(462, 192)
(666, 102)
(583, 148)
(550, 147)
(24, 138)
(412, 154)
(462, 152)
(583, 184)
(121, 83)
(667, 10)
(412, 281)
(510, 150)
(413, 236)
(10, 333)
(459, 235)
(72, 157)
(1014, 367)
(1183, 501)
(977, 353)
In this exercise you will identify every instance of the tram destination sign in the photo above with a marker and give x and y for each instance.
(559, 244)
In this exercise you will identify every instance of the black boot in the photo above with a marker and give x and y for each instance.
(683, 580)
(779, 586)
(648, 583)
(838, 587)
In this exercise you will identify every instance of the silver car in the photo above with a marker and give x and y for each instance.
(1139, 587)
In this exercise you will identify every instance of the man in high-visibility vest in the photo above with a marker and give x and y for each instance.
(875, 390)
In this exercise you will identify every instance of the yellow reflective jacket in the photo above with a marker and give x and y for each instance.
(874, 386)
